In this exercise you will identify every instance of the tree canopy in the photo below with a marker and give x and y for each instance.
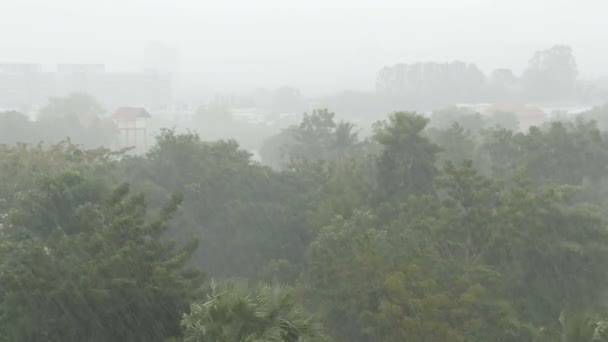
(455, 228)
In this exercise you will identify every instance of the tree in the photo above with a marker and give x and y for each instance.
(347, 261)
(86, 265)
(81, 106)
(344, 140)
(244, 214)
(456, 143)
(78, 117)
(562, 153)
(504, 78)
(274, 151)
(464, 117)
(598, 114)
(478, 261)
(392, 284)
(22, 165)
(416, 233)
(233, 313)
(318, 137)
(15, 127)
(551, 74)
(313, 136)
(407, 163)
(472, 121)
(89, 130)
(580, 328)
(504, 120)
(536, 237)
(504, 85)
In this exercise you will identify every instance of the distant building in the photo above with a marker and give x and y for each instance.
(527, 115)
(248, 115)
(23, 86)
(132, 122)
(19, 68)
(79, 78)
(81, 68)
(26, 86)
(148, 88)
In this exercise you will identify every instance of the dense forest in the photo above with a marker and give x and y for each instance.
(453, 227)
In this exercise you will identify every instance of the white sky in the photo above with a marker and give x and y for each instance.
(317, 45)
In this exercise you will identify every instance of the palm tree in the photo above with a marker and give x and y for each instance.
(233, 313)
(345, 139)
(579, 328)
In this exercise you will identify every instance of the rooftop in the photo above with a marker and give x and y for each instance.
(130, 113)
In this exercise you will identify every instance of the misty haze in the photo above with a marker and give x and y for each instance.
(248, 171)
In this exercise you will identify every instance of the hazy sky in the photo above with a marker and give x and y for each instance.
(317, 45)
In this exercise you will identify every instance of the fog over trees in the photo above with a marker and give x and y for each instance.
(315, 172)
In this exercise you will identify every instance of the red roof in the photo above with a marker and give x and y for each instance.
(130, 113)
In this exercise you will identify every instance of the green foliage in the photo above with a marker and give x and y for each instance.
(473, 264)
(464, 117)
(12, 126)
(561, 152)
(598, 114)
(76, 105)
(232, 312)
(76, 118)
(86, 266)
(462, 231)
(218, 120)
(320, 138)
(550, 242)
(244, 215)
(407, 163)
(317, 138)
(579, 328)
(504, 120)
(456, 143)
(472, 121)
(22, 167)
(274, 151)
(391, 285)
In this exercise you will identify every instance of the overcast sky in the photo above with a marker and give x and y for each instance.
(317, 45)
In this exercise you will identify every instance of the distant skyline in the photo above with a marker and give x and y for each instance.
(317, 46)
